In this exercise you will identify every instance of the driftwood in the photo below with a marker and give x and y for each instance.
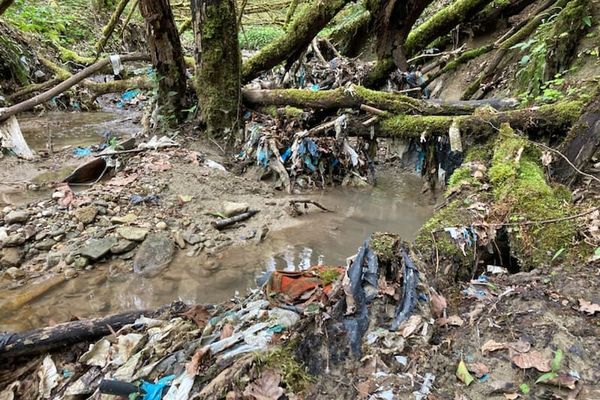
(224, 223)
(38, 341)
(66, 85)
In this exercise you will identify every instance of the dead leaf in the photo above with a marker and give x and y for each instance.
(184, 198)
(438, 304)
(463, 374)
(123, 180)
(408, 327)
(564, 380)
(453, 320)
(266, 387)
(192, 367)
(533, 359)
(199, 314)
(492, 345)
(364, 389)
(48, 377)
(227, 331)
(476, 312)
(519, 346)
(479, 369)
(511, 396)
(588, 307)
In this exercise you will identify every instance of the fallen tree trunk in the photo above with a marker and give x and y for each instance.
(65, 85)
(355, 96)
(301, 32)
(581, 144)
(438, 25)
(41, 340)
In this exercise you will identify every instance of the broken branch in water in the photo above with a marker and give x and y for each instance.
(294, 205)
(224, 223)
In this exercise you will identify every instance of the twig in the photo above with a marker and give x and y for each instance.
(567, 160)
(314, 203)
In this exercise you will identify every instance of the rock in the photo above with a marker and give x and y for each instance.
(45, 244)
(231, 209)
(193, 238)
(10, 257)
(70, 273)
(69, 258)
(16, 217)
(41, 235)
(53, 259)
(80, 262)
(210, 243)
(14, 273)
(86, 215)
(155, 253)
(132, 233)
(179, 240)
(15, 239)
(95, 249)
(126, 219)
(3, 234)
(162, 225)
(123, 246)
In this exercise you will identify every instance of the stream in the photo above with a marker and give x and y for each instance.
(394, 205)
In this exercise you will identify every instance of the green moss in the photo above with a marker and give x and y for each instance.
(292, 112)
(466, 56)
(293, 374)
(520, 186)
(329, 275)
(384, 245)
(407, 126)
(10, 59)
(460, 176)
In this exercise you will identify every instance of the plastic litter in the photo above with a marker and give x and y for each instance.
(115, 62)
(214, 165)
(82, 151)
(409, 291)
(137, 199)
(156, 143)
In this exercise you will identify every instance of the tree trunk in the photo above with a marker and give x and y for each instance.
(4, 4)
(394, 20)
(218, 65)
(581, 144)
(110, 27)
(166, 54)
(438, 25)
(301, 32)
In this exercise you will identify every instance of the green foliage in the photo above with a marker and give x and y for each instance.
(555, 366)
(293, 374)
(54, 20)
(524, 388)
(257, 37)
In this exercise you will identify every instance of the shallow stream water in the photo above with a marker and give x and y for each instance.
(394, 205)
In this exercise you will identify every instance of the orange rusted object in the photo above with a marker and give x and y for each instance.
(298, 287)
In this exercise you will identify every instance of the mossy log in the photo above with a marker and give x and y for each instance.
(303, 29)
(351, 36)
(452, 65)
(167, 56)
(355, 96)
(549, 121)
(110, 26)
(581, 144)
(438, 25)
(218, 65)
(102, 88)
(496, 12)
(518, 207)
(568, 28)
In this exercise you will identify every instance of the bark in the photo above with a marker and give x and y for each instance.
(439, 24)
(166, 54)
(488, 19)
(581, 144)
(67, 84)
(357, 96)
(226, 222)
(218, 65)
(301, 32)
(38, 341)
(394, 20)
(110, 27)
(4, 4)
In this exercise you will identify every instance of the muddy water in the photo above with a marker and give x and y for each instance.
(75, 129)
(395, 205)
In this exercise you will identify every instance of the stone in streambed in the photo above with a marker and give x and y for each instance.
(16, 217)
(86, 215)
(155, 253)
(231, 209)
(10, 257)
(95, 249)
(132, 233)
(123, 246)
